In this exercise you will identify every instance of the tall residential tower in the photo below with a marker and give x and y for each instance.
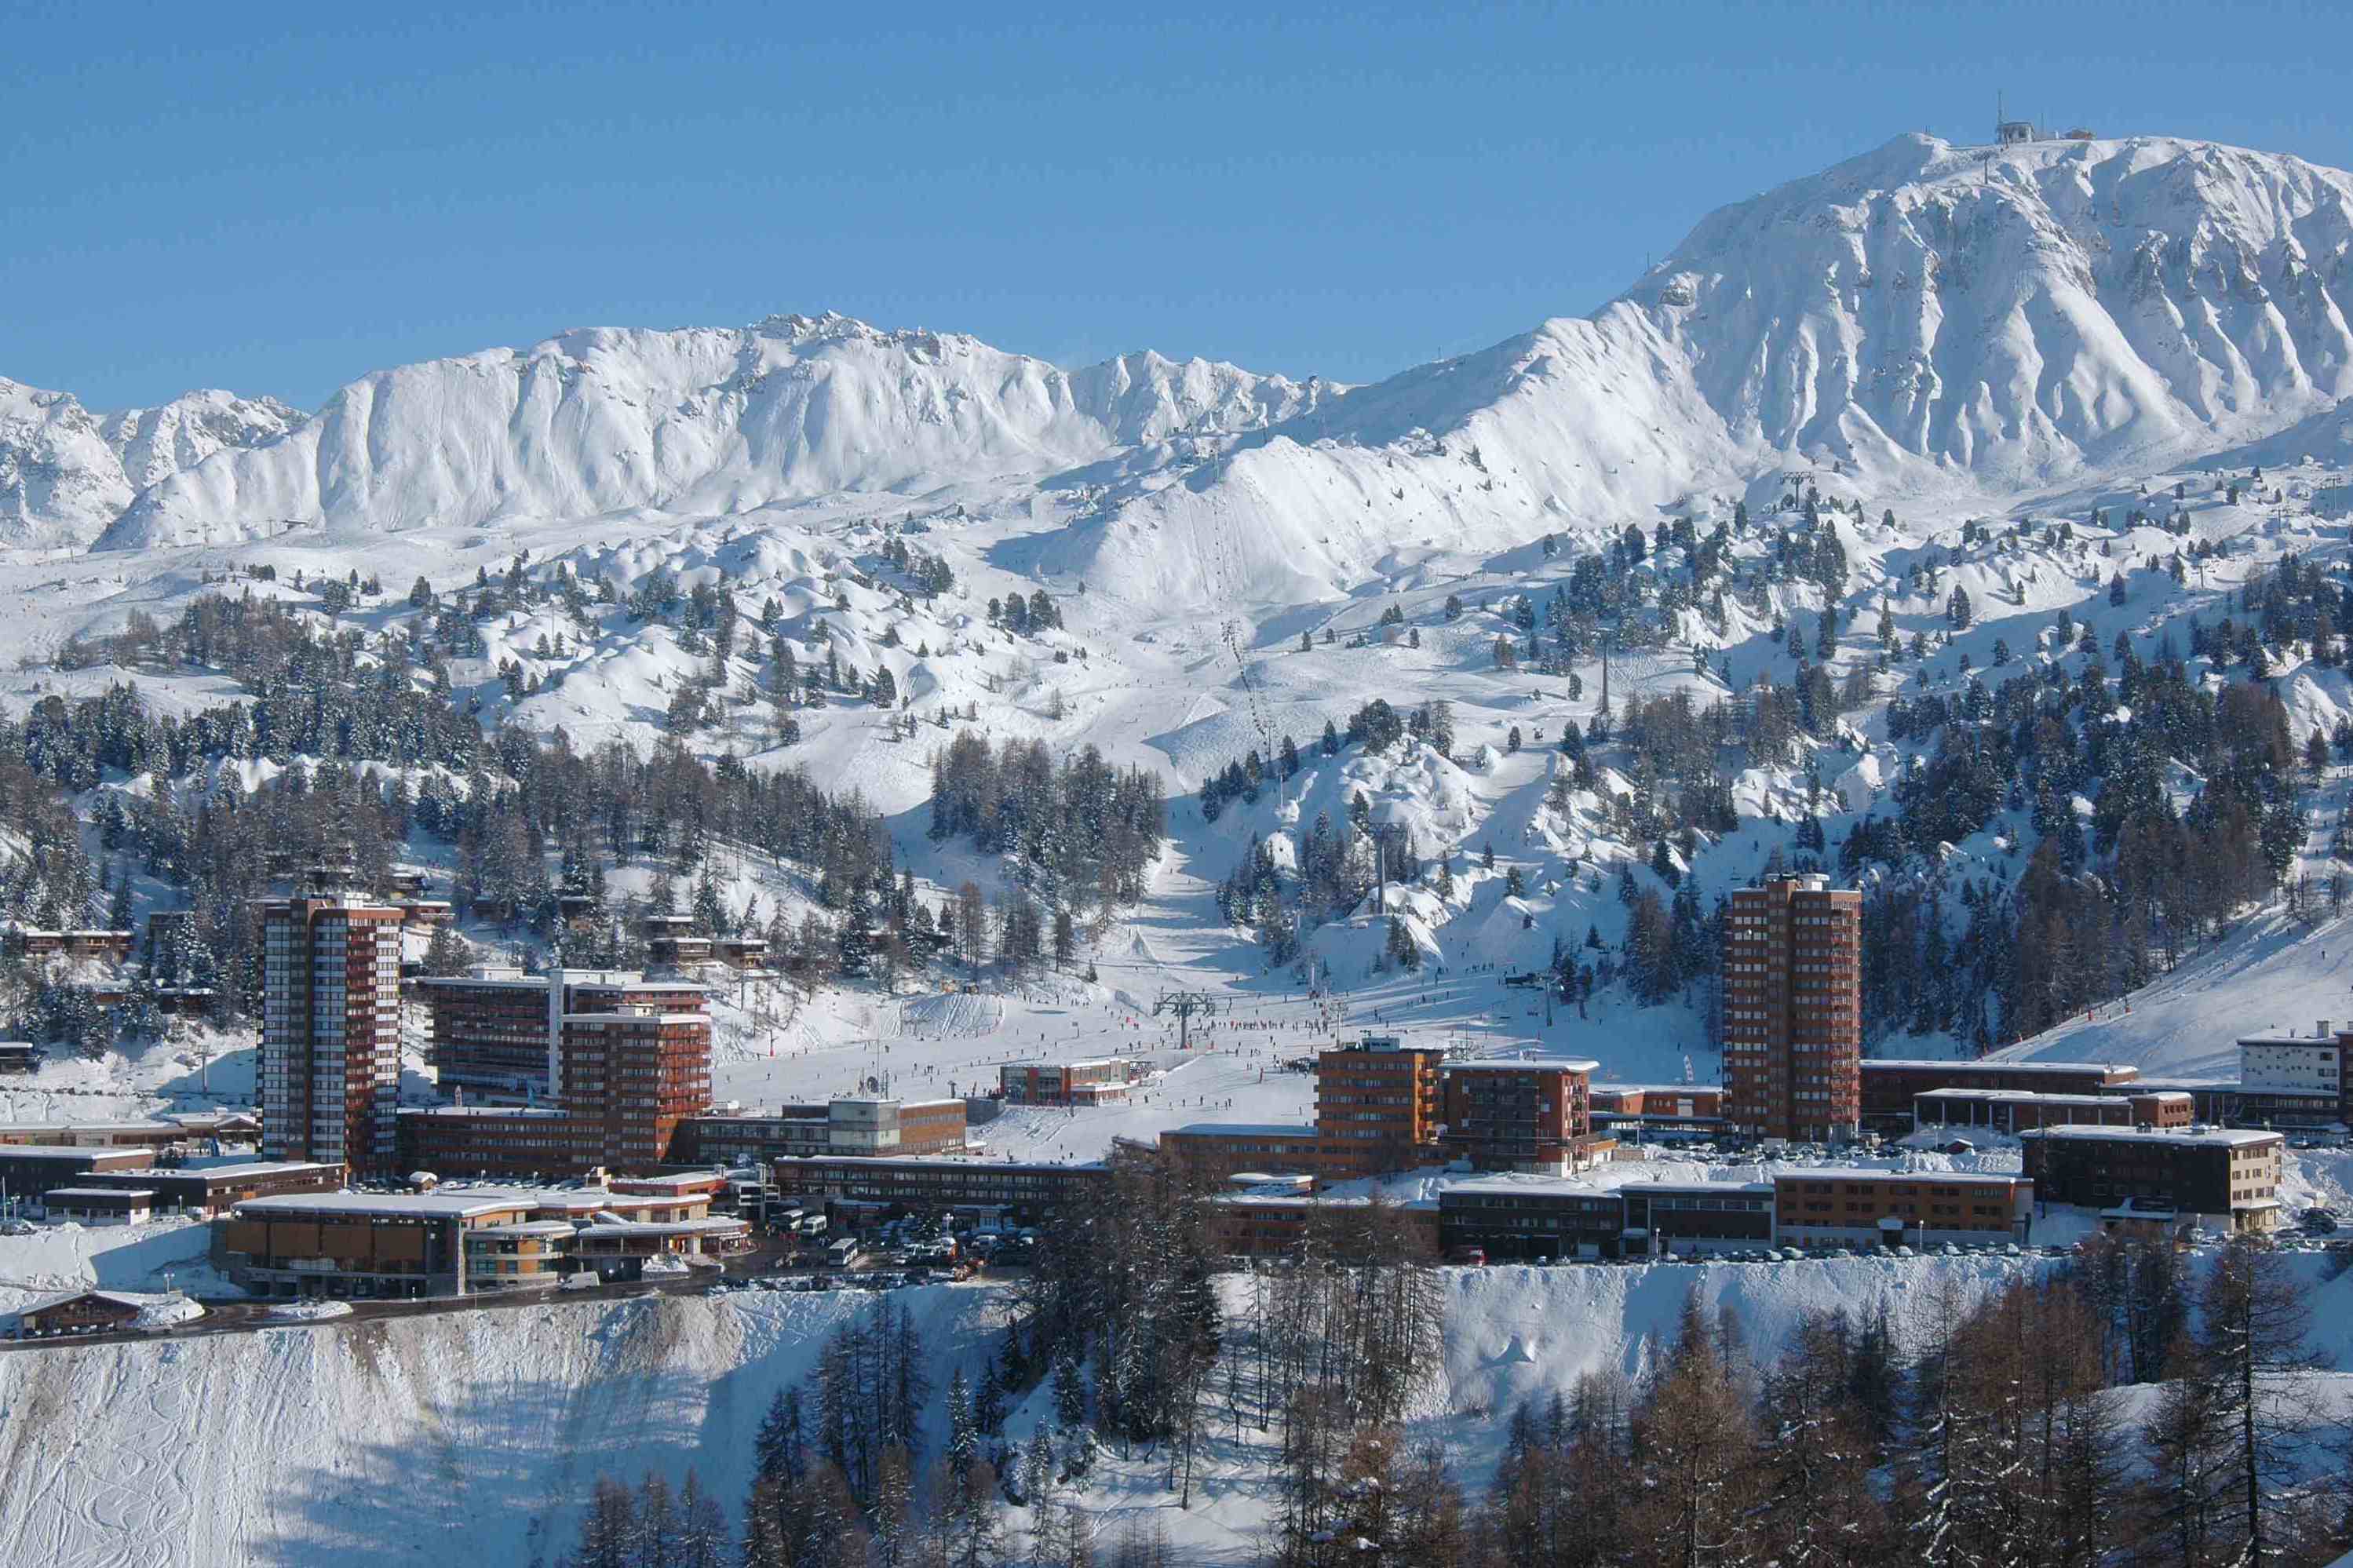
(1793, 1011)
(330, 1025)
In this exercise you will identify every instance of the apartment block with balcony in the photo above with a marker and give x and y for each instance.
(330, 1025)
(1528, 1114)
(1792, 1024)
(2205, 1178)
(499, 1031)
(1379, 1104)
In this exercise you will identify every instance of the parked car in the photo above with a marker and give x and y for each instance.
(1469, 1257)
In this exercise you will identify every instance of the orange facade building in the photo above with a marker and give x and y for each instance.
(1379, 1103)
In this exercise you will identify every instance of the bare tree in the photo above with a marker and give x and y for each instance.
(2256, 1322)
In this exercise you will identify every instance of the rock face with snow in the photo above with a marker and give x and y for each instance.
(65, 473)
(695, 421)
(2018, 314)
(153, 444)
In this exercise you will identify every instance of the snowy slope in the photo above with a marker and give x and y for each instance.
(601, 420)
(476, 1435)
(2271, 975)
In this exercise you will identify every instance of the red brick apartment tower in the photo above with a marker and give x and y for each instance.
(1793, 1011)
(629, 1073)
(330, 1025)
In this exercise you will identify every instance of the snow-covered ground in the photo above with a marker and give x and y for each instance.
(162, 1255)
(476, 1434)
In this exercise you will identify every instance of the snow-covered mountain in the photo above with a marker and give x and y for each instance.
(2020, 313)
(696, 421)
(65, 473)
(1927, 316)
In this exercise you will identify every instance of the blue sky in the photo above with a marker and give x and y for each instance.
(277, 199)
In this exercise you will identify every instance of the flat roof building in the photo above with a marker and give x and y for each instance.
(1100, 1082)
(1529, 1112)
(1027, 1191)
(28, 1173)
(460, 1242)
(1276, 1225)
(1511, 1220)
(1379, 1104)
(2295, 1081)
(850, 1125)
(1890, 1084)
(1215, 1152)
(210, 1190)
(100, 1205)
(1822, 1206)
(2013, 1110)
(2205, 1176)
(498, 1029)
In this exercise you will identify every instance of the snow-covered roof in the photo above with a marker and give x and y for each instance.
(107, 1194)
(2209, 1137)
(1877, 1173)
(1319, 1200)
(635, 1016)
(1547, 1186)
(1525, 1064)
(237, 1172)
(392, 1205)
(715, 1225)
(1703, 1188)
(931, 1162)
(1983, 1064)
(2038, 1097)
(39, 1129)
(115, 1298)
(459, 1111)
(1244, 1129)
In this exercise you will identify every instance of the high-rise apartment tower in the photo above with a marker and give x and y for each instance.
(1793, 1011)
(330, 1025)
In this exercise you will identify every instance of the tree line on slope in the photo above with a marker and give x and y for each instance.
(532, 821)
(2137, 1405)
(2196, 813)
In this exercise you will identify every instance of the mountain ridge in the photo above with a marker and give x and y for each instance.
(1922, 317)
